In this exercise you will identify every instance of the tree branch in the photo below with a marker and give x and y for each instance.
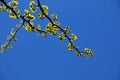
(22, 17)
(14, 34)
(41, 9)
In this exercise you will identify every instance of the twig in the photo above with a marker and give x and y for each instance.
(41, 9)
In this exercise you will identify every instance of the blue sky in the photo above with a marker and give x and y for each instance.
(96, 23)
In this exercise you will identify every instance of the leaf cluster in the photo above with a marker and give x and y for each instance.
(52, 27)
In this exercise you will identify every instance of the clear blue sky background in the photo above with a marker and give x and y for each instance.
(97, 24)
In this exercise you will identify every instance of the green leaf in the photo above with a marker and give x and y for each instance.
(70, 47)
(54, 17)
(78, 53)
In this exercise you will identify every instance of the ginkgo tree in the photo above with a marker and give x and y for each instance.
(51, 28)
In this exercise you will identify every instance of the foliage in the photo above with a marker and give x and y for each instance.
(52, 27)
